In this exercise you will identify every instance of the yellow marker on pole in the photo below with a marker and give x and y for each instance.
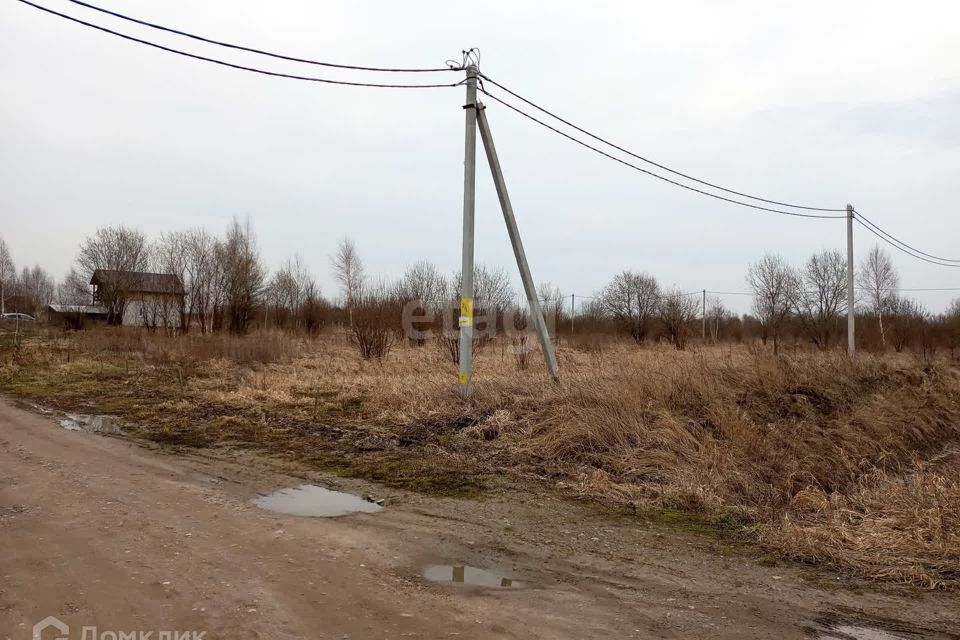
(466, 312)
(466, 320)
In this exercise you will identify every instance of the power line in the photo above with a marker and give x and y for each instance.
(730, 293)
(909, 252)
(862, 220)
(916, 289)
(253, 50)
(647, 171)
(230, 64)
(678, 294)
(877, 228)
(651, 162)
(921, 289)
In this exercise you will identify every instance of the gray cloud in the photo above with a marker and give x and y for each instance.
(826, 103)
(929, 120)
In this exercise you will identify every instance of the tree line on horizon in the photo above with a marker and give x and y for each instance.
(227, 287)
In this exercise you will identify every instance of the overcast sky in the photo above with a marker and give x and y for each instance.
(820, 102)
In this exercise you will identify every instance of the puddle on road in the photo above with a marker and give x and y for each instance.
(854, 632)
(312, 501)
(461, 574)
(88, 422)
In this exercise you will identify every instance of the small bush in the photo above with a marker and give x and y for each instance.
(372, 330)
(521, 351)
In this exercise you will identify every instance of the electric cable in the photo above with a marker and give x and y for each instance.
(232, 65)
(238, 47)
(877, 228)
(899, 248)
(651, 162)
(861, 219)
(647, 171)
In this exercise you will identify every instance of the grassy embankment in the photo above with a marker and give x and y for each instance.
(855, 464)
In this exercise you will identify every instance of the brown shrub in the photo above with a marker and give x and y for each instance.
(373, 326)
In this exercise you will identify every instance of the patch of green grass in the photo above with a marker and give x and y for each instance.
(769, 560)
(734, 520)
(685, 521)
(819, 581)
(402, 469)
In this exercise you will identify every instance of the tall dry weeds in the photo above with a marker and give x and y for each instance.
(819, 451)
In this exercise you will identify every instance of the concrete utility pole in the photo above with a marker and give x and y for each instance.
(536, 314)
(465, 375)
(704, 328)
(851, 335)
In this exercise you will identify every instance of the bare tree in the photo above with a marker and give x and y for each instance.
(677, 311)
(348, 270)
(169, 255)
(423, 281)
(201, 277)
(120, 250)
(632, 300)
(878, 279)
(953, 310)
(492, 290)
(426, 288)
(952, 325)
(288, 290)
(820, 295)
(8, 274)
(771, 280)
(493, 296)
(906, 318)
(73, 289)
(551, 304)
(243, 275)
(717, 313)
(36, 290)
(218, 288)
(314, 307)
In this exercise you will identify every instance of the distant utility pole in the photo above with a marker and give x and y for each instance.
(704, 327)
(573, 310)
(851, 336)
(465, 375)
(539, 323)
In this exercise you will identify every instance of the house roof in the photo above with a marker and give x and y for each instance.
(88, 309)
(138, 281)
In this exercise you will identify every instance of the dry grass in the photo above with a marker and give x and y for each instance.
(900, 526)
(819, 457)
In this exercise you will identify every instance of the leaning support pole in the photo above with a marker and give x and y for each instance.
(851, 303)
(465, 375)
(536, 314)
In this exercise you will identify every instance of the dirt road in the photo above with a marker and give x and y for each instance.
(108, 533)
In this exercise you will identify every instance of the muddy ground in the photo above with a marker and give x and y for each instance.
(115, 533)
